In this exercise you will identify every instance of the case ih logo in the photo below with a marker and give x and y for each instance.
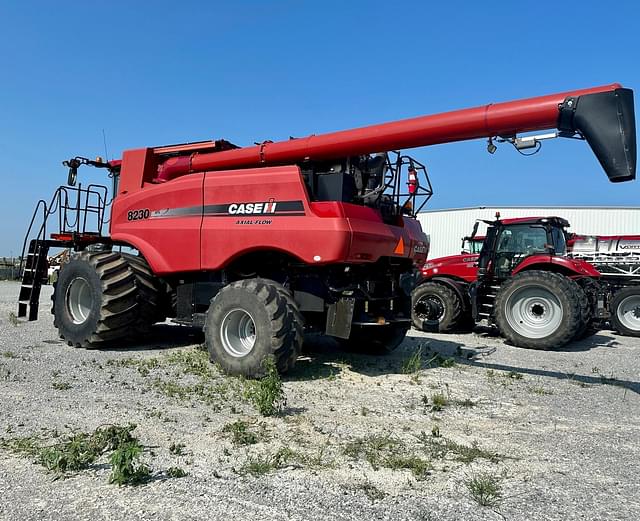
(253, 208)
(270, 207)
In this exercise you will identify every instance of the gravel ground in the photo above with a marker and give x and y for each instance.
(557, 432)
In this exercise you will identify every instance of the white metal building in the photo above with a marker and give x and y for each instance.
(446, 228)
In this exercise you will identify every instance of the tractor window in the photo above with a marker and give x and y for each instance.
(522, 240)
(559, 242)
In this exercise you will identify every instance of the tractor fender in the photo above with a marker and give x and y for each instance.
(459, 286)
(570, 267)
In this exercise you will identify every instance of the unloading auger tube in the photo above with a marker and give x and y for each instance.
(603, 116)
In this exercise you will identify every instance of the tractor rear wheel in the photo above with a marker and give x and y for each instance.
(436, 308)
(374, 340)
(94, 299)
(538, 310)
(586, 328)
(625, 311)
(249, 321)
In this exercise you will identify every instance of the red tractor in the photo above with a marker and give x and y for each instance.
(258, 244)
(532, 280)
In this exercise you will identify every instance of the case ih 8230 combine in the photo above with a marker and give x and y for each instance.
(541, 285)
(255, 244)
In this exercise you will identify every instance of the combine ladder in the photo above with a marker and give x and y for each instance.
(33, 276)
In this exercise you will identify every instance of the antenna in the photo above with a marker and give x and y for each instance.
(104, 140)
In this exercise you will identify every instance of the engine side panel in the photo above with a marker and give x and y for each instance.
(162, 221)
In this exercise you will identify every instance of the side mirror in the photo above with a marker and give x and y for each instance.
(73, 165)
(475, 230)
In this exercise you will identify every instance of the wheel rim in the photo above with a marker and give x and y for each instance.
(533, 312)
(79, 300)
(429, 308)
(628, 312)
(238, 333)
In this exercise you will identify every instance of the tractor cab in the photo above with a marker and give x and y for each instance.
(511, 242)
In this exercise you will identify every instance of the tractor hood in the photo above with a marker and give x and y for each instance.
(453, 265)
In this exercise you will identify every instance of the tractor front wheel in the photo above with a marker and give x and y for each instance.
(436, 308)
(625, 311)
(539, 310)
(251, 320)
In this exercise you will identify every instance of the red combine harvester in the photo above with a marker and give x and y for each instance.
(529, 278)
(254, 244)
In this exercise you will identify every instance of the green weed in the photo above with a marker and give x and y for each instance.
(61, 386)
(193, 361)
(438, 402)
(438, 447)
(267, 394)
(126, 466)
(485, 489)
(240, 433)
(176, 472)
(413, 364)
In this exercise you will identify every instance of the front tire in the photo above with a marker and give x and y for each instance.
(436, 308)
(94, 299)
(538, 310)
(249, 321)
(625, 311)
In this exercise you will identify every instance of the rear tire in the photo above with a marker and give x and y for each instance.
(151, 305)
(538, 310)
(374, 340)
(249, 321)
(586, 328)
(94, 299)
(436, 308)
(625, 311)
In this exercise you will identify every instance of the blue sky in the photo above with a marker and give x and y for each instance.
(154, 73)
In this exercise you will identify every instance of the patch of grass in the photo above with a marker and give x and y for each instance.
(438, 402)
(485, 489)
(193, 361)
(176, 472)
(538, 389)
(211, 394)
(13, 319)
(126, 466)
(267, 394)
(419, 467)
(265, 463)
(143, 365)
(467, 402)
(76, 452)
(413, 364)
(240, 433)
(514, 375)
(61, 386)
(9, 354)
(374, 449)
(438, 447)
(438, 360)
(24, 445)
